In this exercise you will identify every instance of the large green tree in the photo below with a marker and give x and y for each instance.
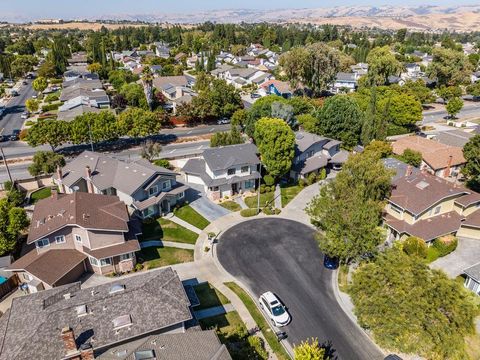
(51, 132)
(276, 143)
(411, 308)
(13, 219)
(381, 64)
(471, 152)
(45, 162)
(449, 67)
(309, 350)
(39, 84)
(454, 106)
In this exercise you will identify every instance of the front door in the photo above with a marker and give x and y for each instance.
(234, 188)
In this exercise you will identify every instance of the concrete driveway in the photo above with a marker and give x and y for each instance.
(467, 254)
(282, 256)
(199, 201)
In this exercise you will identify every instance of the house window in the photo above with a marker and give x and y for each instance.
(166, 185)
(93, 261)
(125, 256)
(60, 239)
(181, 195)
(231, 171)
(106, 261)
(78, 238)
(27, 277)
(153, 190)
(245, 169)
(437, 209)
(249, 184)
(43, 243)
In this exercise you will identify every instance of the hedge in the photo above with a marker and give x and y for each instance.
(445, 247)
(249, 212)
(50, 107)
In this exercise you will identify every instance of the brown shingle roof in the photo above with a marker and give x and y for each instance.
(433, 153)
(468, 200)
(90, 211)
(114, 250)
(418, 192)
(49, 266)
(473, 220)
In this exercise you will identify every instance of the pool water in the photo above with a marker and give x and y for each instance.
(2, 279)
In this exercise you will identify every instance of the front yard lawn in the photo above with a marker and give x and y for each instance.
(188, 214)
(289, 192)
(168, 231)
(230, 205)
(153, 257)
(209, 296)
(265, 198)
(40, 194)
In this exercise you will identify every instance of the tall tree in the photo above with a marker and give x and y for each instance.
(381, 64)
(45, 162)
(39, 84)
(449, 67)
(471, 152)
(309, 350)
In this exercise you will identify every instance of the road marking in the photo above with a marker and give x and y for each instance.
(188, 133)
(200, 147)
(212, 129)
(172, 151)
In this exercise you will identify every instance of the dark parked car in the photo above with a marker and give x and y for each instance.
(393, 357)
(3, 138)
(15, 135)
(330, 262)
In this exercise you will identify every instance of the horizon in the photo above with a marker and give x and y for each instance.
(32, 10)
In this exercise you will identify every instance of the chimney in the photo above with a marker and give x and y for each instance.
(88, 175)
(69, 341)
(409, 170)
(59, 179)
(178, 92)
(54, 194)
(86, 352)
(449, 165)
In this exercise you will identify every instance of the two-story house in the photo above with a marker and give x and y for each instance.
(76, 233)
(345, 83)
(147, 189)
(225, 171)
(429, 207)
(315, 152)
(438, 159)
(144, 316)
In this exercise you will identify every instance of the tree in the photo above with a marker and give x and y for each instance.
(276, 144)
(51, 132)
(380, 149)
(134, 95)
(136, 122)
(294, 63)
(39, 84)
(411, 308)
(226, 138)
(47, 70)
(45, 162)
(151, 150)
(308, 122)
(13, 219)
(404, 110)
(449, 67)
(471, 152)
(31, 105)
(449, 92)
(309, 350)
(419, 91)
(381, 64)
(412, 157)
(415, 246)
(119, 102)
(454, 106)
(94, 67)
(340, 118)
(23, 64)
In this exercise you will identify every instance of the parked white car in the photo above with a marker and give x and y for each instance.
(274, 309)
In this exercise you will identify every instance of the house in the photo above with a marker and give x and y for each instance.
(177, 89)
(73, 234)
(162, 50)
(438, 159)
(457, 138)
(225, 171)
(429, 207)
(78, 58)
(240, 77)
(315, 152)
(221, 70)
(69, 114)
(472, 278)
(144, 316)
(345, 83)
(78, 72)
(147, 189)
(276, 87)
(360, 69)
(400, 168)
(412, 71)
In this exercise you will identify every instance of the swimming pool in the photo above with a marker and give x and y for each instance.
(2, 279)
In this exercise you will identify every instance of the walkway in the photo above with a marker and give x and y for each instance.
(183, 223)
(239, 200)
(213, 311)
(157, 243)
(278, 197)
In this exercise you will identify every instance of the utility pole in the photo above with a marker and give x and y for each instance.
(6, 165)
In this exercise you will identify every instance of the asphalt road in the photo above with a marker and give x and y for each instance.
(282, 256)
(12, 120)
(469, 110)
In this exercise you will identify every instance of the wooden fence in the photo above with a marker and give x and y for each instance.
(9, 285)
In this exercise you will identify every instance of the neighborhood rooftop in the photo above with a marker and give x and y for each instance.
(223, 157)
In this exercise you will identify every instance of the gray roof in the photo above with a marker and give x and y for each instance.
(73, 92)
(349, 77)
(340, 157)
(224, 157)
(242, 72)
(473, 272)
(191, 345)
(454, 137)
(152, 300)
(221, 69)
(69, 115)
(107, 172)
(399, 166)
(83, 84)
(305, 139)
(313, 163)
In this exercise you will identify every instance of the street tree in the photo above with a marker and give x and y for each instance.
(412, 157)
(39, 84)
(454, 106)
(404, 110)
(449, 67)
(381, 64)
(471, 152)
(31, 105)
(45, 162)
(309, 350)
(151, 150)
(51, 132)
(23, 64)
(276, 143)
(13, 219)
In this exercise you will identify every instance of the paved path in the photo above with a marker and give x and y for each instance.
(278, 197)
(183, 223)
(239, 200)
(152, 243)
(213, 311)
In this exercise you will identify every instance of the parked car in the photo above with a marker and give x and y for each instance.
(25, 115)
(223, 121)
(34, 96)
(392, 357)
(255, 96)
(274, 309)
(330, 262)
(3, 138)
(15, 135)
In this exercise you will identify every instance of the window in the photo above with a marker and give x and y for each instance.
(125, 256)
(231, 171)
(78, 238)
(249, 184)
(43, 243)
(27, 277)
(93, 261)
(437, 209)
(106, 261)
(166, 185)
(153, 190)
(60, 239)
(181, 195)
(245, 169)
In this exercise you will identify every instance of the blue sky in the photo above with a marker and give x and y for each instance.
(35, 9)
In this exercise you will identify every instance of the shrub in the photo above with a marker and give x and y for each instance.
(269, 180)
(163, 163)
(302, 182)
(322, 175)
(445, 245)
(262, 189)
(50, 107)
(248, 212)
(312, 178)
(55, 81)
(52, 97)
(415, 246)
(271, 211)
(257, 343)
(138, 267)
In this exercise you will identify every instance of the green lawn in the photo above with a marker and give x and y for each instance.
(260, 320)
(153, 257)
(167, 230)
(251, 201)
(188, 214)
(40, 194)
(209, 296)
(230, 205)
(289, 192)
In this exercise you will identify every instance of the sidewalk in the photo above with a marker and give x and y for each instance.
(185, 224)
(278, 197)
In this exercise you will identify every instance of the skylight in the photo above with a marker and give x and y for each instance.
(144, 355)
(81, 310)
(116, 288)
(422, 185)
(122, 321)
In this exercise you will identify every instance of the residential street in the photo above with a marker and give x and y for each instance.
(282, 256)
(11, 120)
(469, 110)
